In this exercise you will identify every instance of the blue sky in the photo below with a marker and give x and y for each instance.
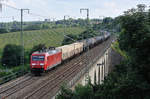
(58, 8)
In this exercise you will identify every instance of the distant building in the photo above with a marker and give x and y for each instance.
(47, 20)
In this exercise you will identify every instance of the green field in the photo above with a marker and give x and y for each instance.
(50, 37)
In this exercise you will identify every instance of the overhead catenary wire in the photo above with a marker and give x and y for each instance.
(6, 17)
(19, 9)
(34, 14)
(39, 36)
(10, 6)
(37, 15)
(31, 13)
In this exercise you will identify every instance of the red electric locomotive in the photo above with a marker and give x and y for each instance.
(45, 60)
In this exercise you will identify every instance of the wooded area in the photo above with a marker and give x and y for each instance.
(130, 79)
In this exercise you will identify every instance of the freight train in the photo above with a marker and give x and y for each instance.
(47, 59)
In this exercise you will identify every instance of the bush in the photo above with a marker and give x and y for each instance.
(33, 27)
(2, 74)
(4, 31)
(69, 39)
(130, 79)
(37, 48)
(11, 55)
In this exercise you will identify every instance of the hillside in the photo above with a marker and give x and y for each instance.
(50, 37)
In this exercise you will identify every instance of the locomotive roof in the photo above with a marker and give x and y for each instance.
(50, 52)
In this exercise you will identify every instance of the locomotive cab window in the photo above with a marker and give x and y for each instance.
(37, 58)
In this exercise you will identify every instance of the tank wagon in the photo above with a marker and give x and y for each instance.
(42, 61)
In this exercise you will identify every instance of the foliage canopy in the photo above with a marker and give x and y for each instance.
(131, 78)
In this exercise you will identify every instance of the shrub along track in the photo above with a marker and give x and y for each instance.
(47, 86)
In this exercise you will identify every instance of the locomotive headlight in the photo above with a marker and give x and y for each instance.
(41, 64)
(33, 64)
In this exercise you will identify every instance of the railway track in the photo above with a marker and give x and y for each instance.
(47, 86)
(13, 83)
(8, 90)
(17, 88)
(45, 91)
(51, 78)
(51, 84)
(27, 81)
(13, 89)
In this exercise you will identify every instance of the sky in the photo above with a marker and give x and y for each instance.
(56, 9)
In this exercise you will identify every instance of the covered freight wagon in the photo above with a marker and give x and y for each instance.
(71, 50)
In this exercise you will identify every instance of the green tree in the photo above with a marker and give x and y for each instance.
(4, 30)
(130, 79)
(66, 93)
(11, 55)
(135, 39)
(46, 26)
(37, 48)
(33, 27)
(69, 39)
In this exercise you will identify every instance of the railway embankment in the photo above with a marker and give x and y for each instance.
(48, 85)
(102, 66)
(101, 57)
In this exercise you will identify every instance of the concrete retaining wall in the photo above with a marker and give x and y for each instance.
(102, 66)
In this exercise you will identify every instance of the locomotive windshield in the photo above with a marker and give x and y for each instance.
(37, 58)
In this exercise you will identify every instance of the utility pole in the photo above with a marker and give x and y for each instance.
(21, 37)
(13, 18)
(87, 71)
(54, 20)
(101, 18)
(65, 23)
(86, 9)
(65, 31)
(1, 5)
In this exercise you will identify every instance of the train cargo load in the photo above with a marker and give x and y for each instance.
(70, 50)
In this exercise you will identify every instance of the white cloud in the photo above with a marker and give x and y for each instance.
(59, 8)
(36, 2)
(110, 4)
(10, 2)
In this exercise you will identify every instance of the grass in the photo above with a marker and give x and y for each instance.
(12, 73)
(115, 46)
(49, 37)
